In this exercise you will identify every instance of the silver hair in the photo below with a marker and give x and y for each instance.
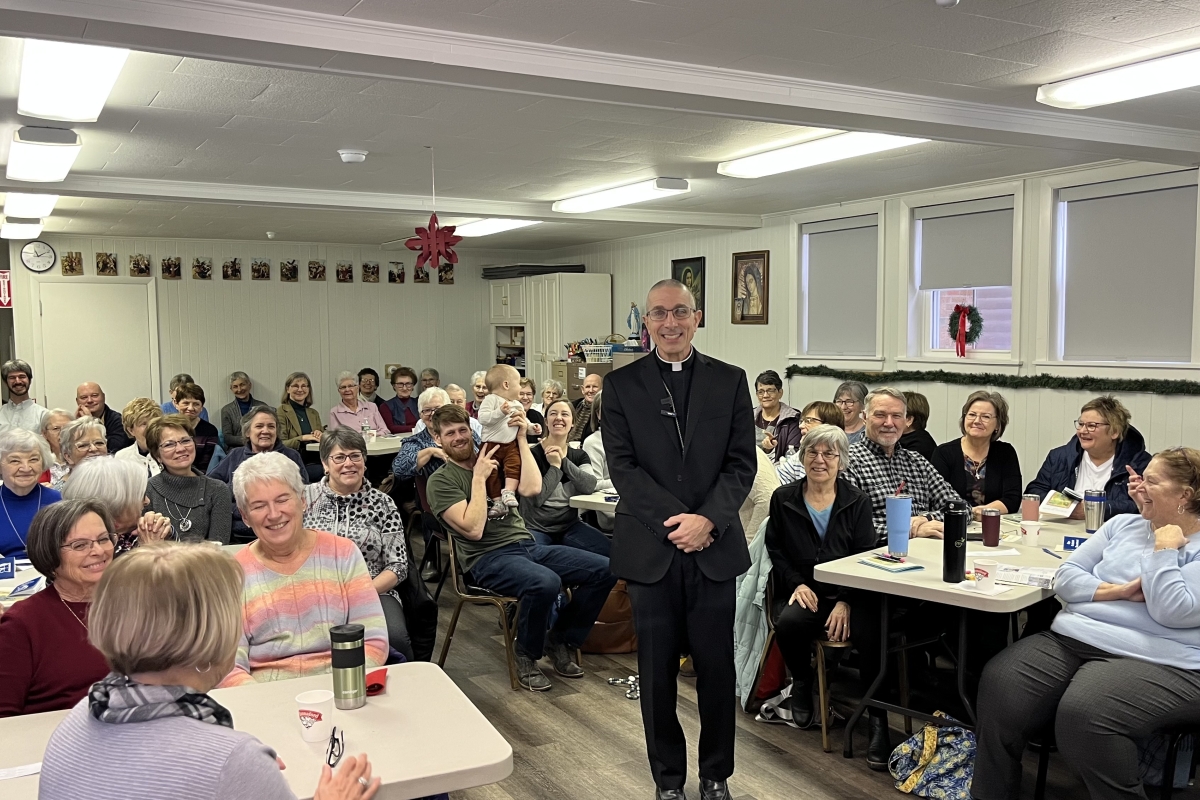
(855, 389)
(886, 391)
(120, 485)
(830, 436)
(477, 376)
(431, 372)
(432, 392)
(263, 468)
(19, 440)
(233, 376)
(346, 376)
(345, 438)
(453, 387)
(51, 414)
(554, 386)
(73, 431)
(248, 418)
(16, 365)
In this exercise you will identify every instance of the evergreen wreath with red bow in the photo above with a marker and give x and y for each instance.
(966, 326)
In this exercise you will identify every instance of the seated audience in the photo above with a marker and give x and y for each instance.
(354, 412)
(46, 661)
(551, 390)
(430, 378)
(91, 402)
(915, 437)
(850, 397)
(597, 464)
(501, 555)
(982, 469)
(548, 515)
(199, 508)
(121, 488)
(231, 414)
(818, 519)
(1121, 655)
(299, 582)
(20, 411)
(80, 439)
(23, 459)
(400, 414)
(344, 504)
(420, 455)
(300, 423)
(818, 412)
(169, 407)
(880, 469)
(537, 423)
(1105, 447)
(260, 428)
(778, 422)
(368, 385)
(479, 390)
(51, 431)
(190, 399)
(167, 621)
(584, 426)
(136, 415)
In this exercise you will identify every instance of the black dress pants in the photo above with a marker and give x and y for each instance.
(685, 611)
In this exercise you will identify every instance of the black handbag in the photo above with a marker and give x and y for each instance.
(420, 612)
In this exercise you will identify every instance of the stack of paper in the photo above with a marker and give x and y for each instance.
(1041, 577)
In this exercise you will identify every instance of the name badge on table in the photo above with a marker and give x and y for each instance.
(8, 567)
(26, 588)
(1073, 542)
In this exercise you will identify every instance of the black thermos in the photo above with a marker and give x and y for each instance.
(954, 543)
(349, 665)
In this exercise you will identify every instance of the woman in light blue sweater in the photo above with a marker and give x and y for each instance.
(1122, 654)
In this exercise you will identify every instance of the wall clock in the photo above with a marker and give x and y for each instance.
(38, 256)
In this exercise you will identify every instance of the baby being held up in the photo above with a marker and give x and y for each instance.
(503, 382)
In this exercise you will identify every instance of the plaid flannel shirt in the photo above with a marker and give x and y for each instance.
(879, 475)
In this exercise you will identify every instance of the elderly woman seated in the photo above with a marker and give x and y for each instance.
(479, 390)
(46, 661)
(260, 431)
(121, 488)
(551, 390)
(819, 412)
(135, 417)
(401, 413)
(345, 504)
(299, 582)
(52, 424)
(354, 412)
(80, 440)
(537, 423)
(23, 458)
(232, 413)
(167, 620)
(419, 454)
(777, 424)
(190, 399)
(199, 508)
(300, 423)
(1122, 654)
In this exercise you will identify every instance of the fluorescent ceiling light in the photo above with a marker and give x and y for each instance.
(486, 227)
(42, 155)
(812, 153)
(623, 195)
(29, 205)
(20, 228)
(65, 81)
(1145, 78)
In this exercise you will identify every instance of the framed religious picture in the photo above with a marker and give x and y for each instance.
(172, 268)
(395, 272)
(370, 272)
(139, 266)
(260, 269)
(345, 272)
(72, 263)
(231, 269)
(690, 272)
(751, 279)
(316, 270)
(421, 274)
(289, 271)
(446, 274)
(106, 264)
(202, 268)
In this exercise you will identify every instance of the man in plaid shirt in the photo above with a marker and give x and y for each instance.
(880, 467)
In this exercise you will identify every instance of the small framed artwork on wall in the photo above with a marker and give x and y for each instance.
(289, 271)
(370, 272)
(690, 272)
(172, 268)
(260, 269)
(202, 268)
(751, 279)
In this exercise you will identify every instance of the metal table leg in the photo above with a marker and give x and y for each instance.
(962, 663)
(848, 746)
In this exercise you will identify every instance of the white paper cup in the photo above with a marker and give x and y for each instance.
(1030, 532)
(315, 710)
(985, 574)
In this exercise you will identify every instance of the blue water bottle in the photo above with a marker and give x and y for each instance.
(899, 521)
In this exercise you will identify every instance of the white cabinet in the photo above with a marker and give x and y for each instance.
(563, 307)
(507, 301)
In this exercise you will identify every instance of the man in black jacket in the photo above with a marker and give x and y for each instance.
(679, 436)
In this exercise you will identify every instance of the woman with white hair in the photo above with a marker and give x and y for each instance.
(79, 440)
(299, 582)
(551, 390)
(52, 424)
(121, 487)
(480, 390)
(23, 458)
(354, 412)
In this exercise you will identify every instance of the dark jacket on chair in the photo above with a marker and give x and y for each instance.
(1002, 481)
(1061, 468)
(796, 549)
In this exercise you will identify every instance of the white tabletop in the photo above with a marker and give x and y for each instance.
(927, 583)
(594, 502)
(423, 735)
(379, 446)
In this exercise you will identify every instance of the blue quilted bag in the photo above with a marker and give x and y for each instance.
(936, 762)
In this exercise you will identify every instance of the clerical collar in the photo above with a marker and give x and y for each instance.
(676, 366)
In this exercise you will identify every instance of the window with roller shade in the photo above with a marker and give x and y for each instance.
(840, 263)
(1125, 270)
(963, 255)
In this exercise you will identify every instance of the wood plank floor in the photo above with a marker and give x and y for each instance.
(583, 739)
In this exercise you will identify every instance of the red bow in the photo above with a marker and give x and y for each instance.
(960, 341)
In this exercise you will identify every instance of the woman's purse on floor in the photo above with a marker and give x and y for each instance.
(936, 762)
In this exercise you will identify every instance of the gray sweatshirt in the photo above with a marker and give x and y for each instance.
(551, 512)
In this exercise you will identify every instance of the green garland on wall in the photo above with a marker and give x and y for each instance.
(1084, 384)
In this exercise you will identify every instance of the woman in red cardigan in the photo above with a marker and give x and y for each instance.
(46, 662)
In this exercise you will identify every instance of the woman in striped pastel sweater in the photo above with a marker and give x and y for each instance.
(299, 582)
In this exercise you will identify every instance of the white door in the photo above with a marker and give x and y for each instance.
(96, 332)
(516, 300)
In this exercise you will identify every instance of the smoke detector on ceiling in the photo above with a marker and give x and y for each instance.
(946, 3)
(270, 234)
(359, 156)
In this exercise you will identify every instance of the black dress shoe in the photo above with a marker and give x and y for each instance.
(669, 794)
(879, 743)
(713, 790)
(801, 702)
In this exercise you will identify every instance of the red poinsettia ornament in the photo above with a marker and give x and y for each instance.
(435, 243)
